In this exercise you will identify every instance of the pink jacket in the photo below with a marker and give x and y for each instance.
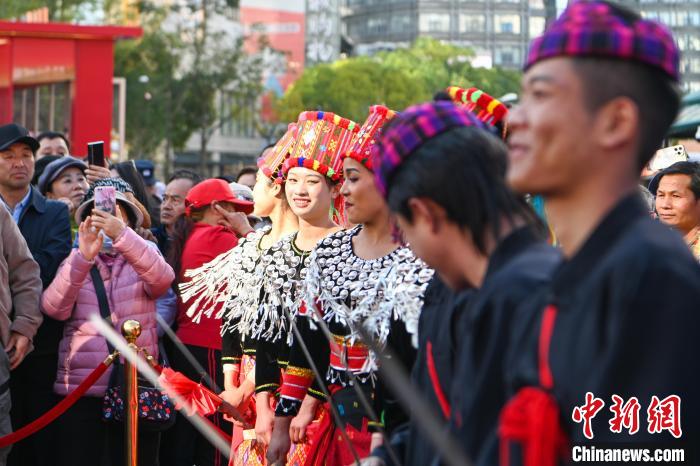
(133, 280)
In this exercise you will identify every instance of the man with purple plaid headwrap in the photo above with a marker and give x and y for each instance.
(609, 347)
(443, 175)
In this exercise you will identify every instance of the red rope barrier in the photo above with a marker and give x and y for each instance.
(57, 410)
(63, 406)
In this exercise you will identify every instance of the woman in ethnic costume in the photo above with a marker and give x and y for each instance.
(312, 175)
(342, 284)
(231, 278)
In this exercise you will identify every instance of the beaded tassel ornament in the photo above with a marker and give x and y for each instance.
(486, 108)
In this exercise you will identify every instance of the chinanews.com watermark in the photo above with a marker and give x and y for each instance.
(591, 454)
(662, 416)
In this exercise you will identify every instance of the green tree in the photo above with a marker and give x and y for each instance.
(396, 79)
(185, 75)
(348, 87)
(148, 65)
(217, 78)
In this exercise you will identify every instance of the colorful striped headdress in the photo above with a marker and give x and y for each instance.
(413, 128)
(598, 29)
(487, 109)
(361, 147)
(320, 141)
(271, 163)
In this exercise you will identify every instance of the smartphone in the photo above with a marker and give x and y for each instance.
(106, 199)
(96, 153)
(667, 156)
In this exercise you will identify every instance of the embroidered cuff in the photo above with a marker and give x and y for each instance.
(296, 382)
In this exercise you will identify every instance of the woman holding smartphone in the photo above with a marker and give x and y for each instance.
(134, 275)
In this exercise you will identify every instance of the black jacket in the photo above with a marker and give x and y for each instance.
(626, 323)
(162, 238)
(520, 265)
(432, 371)
(45, 225)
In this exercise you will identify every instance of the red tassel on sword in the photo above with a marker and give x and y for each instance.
(193, 397)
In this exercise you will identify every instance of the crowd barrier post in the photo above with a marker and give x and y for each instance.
(131, 329)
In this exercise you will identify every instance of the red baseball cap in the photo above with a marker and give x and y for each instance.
(215, 190)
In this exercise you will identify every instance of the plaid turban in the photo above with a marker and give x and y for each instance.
(409, 130)
(595, 29)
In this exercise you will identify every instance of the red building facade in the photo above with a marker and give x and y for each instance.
(59, 77)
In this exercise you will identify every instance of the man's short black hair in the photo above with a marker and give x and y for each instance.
(656, 95)
(53, 135)
(246, 171)
(185, 174)
(692, 169)
(462, 170)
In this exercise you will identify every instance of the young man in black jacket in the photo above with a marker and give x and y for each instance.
(444, 177)
(608, 358)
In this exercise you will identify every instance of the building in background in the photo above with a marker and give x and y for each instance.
(322, 31)
(282, 24)
(498, 30)
(683, 18)
(238, 142)
(59, 77)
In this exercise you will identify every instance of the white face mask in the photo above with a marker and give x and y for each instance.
(107, 245)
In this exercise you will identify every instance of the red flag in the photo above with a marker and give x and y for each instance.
(193, 397)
